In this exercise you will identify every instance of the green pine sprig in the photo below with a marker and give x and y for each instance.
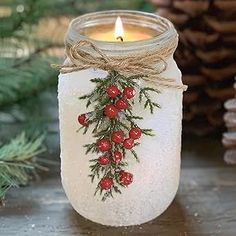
(103, 126)
(144, 95)
(18, 161)
(35, 75)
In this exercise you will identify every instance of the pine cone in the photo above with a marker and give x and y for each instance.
(229, 137)
(207, 57)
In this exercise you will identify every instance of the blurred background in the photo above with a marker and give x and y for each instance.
(31, 38)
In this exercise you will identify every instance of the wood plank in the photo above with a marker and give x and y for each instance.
(205, 205)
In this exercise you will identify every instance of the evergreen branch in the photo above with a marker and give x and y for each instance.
(135, 155)
(12, 24)
(87, 96)
(103, 128)
(91, 148)
(96, 80)
(18, 161)
(116, 189)
(34, 76)
(148, 132)
(148, 103)
(132, 119)
(151, 89)
(107, 194)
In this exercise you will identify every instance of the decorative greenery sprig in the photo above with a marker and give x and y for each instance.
(18, 161)
(111, 119)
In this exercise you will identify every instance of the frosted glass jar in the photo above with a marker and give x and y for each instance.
(156, 177)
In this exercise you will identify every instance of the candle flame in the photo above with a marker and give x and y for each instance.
(119, 30)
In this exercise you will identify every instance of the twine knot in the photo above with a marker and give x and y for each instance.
(148, 64)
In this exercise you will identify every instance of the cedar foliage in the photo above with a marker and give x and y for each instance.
(18, 161)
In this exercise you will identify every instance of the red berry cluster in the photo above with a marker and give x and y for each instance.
(125, 178)
(121, 103)
(105, 145)
(117, 137)
(112, 110)
(112, 122)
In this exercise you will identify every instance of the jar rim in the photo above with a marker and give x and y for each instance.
(152, 20)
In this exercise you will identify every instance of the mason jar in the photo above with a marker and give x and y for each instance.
(156, 177)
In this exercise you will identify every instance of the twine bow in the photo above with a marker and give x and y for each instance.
(149, 64)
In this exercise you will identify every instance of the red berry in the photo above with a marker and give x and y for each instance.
(122, 104)
(125, 178)
(106, 183)
(103, 160)
(121, 172)
(129, 92)
(128, 143)
(135, 133)
(110, 111)
(104, 145)
(117, 136)
(113, 91)
(83, 119)
(117, 156)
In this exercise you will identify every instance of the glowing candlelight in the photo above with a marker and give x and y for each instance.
(118, 32)
(119, 29)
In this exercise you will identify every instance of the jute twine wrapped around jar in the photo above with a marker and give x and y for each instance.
(149, 64)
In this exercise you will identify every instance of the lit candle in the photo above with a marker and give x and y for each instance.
(121, 32)
(156, 177)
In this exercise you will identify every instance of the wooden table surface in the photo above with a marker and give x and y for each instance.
(205, 203)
